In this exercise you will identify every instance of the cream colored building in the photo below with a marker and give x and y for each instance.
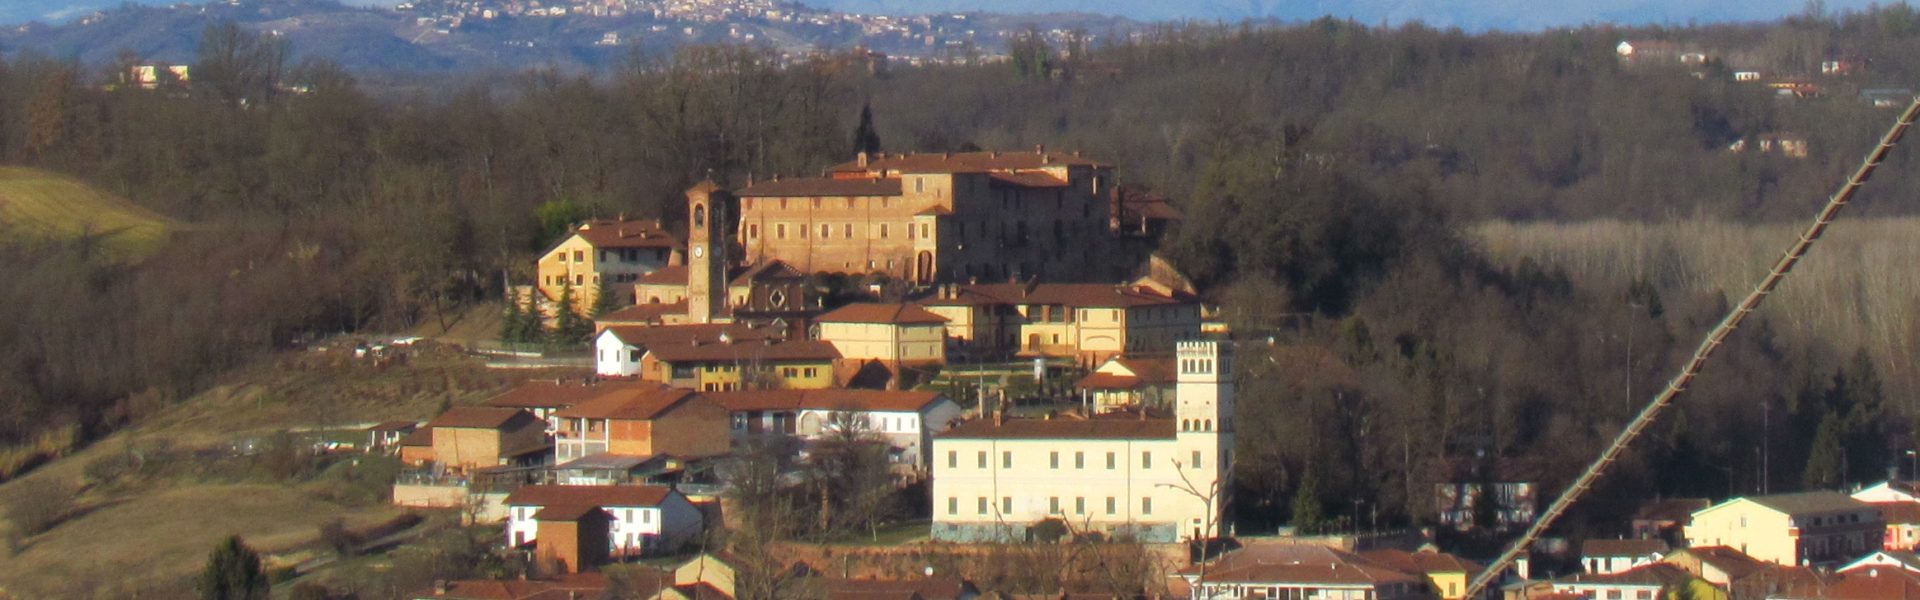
(1154, 480)
(609, 254)
(1821, 527)
(1086, 322)
(892, 333)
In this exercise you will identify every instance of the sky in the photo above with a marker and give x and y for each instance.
(1472, 15)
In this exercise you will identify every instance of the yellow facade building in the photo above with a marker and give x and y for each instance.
(1153, 480)
(891, 333)
(1086, 322)
(1819, 528)
(728, 365)
(605, 254)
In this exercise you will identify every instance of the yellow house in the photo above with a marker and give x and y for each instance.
(605, 254)
(1086, 322)
(1820, 527)
(1152, 480)
(1124, 382)
(736, 365)
(1445, 573)
(893, 333)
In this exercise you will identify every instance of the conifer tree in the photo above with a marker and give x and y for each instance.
(605, 301)
(568, 327)
(513, 324)
(865, 139)
(233, 573)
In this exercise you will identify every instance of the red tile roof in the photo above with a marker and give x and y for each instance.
(1653, 574)
(480, 417)
(1424, 562)
(1871, 583)
(588, 495)
(772, 269)
(1899, 512)
(823, 186)
(896, 314)
(745, 351)
(963, 162)
(1734, 563)
(419, 437)
(568, 512)
(627, 405)
(836, 399)
(1093, 295)
(649, 336)
(575, 586)
(557, 394)
(1308, 564)
(608, 233)
(1066, 429)
(652, 312)
(668, 275)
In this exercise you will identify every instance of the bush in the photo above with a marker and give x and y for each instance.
(343, 541)
(36, 505)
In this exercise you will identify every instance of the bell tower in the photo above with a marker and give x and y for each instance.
(706, 252)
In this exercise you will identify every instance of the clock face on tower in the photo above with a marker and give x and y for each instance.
(699, 252)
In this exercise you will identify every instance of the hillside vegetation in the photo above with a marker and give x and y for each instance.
(36, 202)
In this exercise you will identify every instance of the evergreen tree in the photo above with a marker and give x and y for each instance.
(865, 139)
(568, 327)
(513, 324)
(605, 301)
(1826, 463)
(1307, 513)
(233, 573)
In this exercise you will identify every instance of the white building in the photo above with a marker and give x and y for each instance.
(646, 518)
(907, 419)
(1892, 490)
(1155, 480)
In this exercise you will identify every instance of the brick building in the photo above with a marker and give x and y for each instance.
(939, 217)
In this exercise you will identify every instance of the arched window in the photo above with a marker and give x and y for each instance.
(1209, 424)
(1186, 425)
(699, 215)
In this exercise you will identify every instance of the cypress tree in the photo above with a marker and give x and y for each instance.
(865, 139)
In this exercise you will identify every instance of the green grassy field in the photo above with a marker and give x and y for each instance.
(37, 203)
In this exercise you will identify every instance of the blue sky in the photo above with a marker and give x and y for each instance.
(1468, 14)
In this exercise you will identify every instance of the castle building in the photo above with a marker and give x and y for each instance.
(928, 218)
(1155, 480)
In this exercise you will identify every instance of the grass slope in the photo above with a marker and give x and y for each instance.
(35, 202)
(149, 529)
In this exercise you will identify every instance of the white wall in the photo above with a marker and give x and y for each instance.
(614, 358)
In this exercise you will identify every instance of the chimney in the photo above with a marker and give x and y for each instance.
(862, 160)
(656, 223)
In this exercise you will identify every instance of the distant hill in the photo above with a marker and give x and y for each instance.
(38, 202)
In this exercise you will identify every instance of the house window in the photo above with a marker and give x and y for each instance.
(780, 231)
(1110, 461)
(579, 256)
(983, 505)
(1112, 507)
(1146, 460)
(983, 459)
(825, 231)
(847, 231)
(753, 231)
(883, 231)
(1006, 505)
(953, 459)
(1080, 505)
(1079, 460)
(1146, 505)
(1006, 459)
(953, 505)
(1053, 460)
(1053, 505)
(1196, 459)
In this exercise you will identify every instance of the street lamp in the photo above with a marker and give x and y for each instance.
(1915, 459)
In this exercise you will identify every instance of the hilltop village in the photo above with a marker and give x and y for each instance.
(987, 335)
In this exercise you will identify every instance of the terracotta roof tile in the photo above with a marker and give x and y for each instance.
(668, 275)
(745, 351)
(963, 162)
(1028, 179)
(1301, 563)
(834, 399)
(608, 233)
(823, 186)
(650, 313)
(897, 314)
(1734, 563)
(480, 417)
(1899, 512)
(770, 270)
(1065, 429)
(626, 404)
(1653, 574)
(556, 394)
(602, 496)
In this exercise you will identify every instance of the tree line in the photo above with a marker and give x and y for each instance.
(1326, 171)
